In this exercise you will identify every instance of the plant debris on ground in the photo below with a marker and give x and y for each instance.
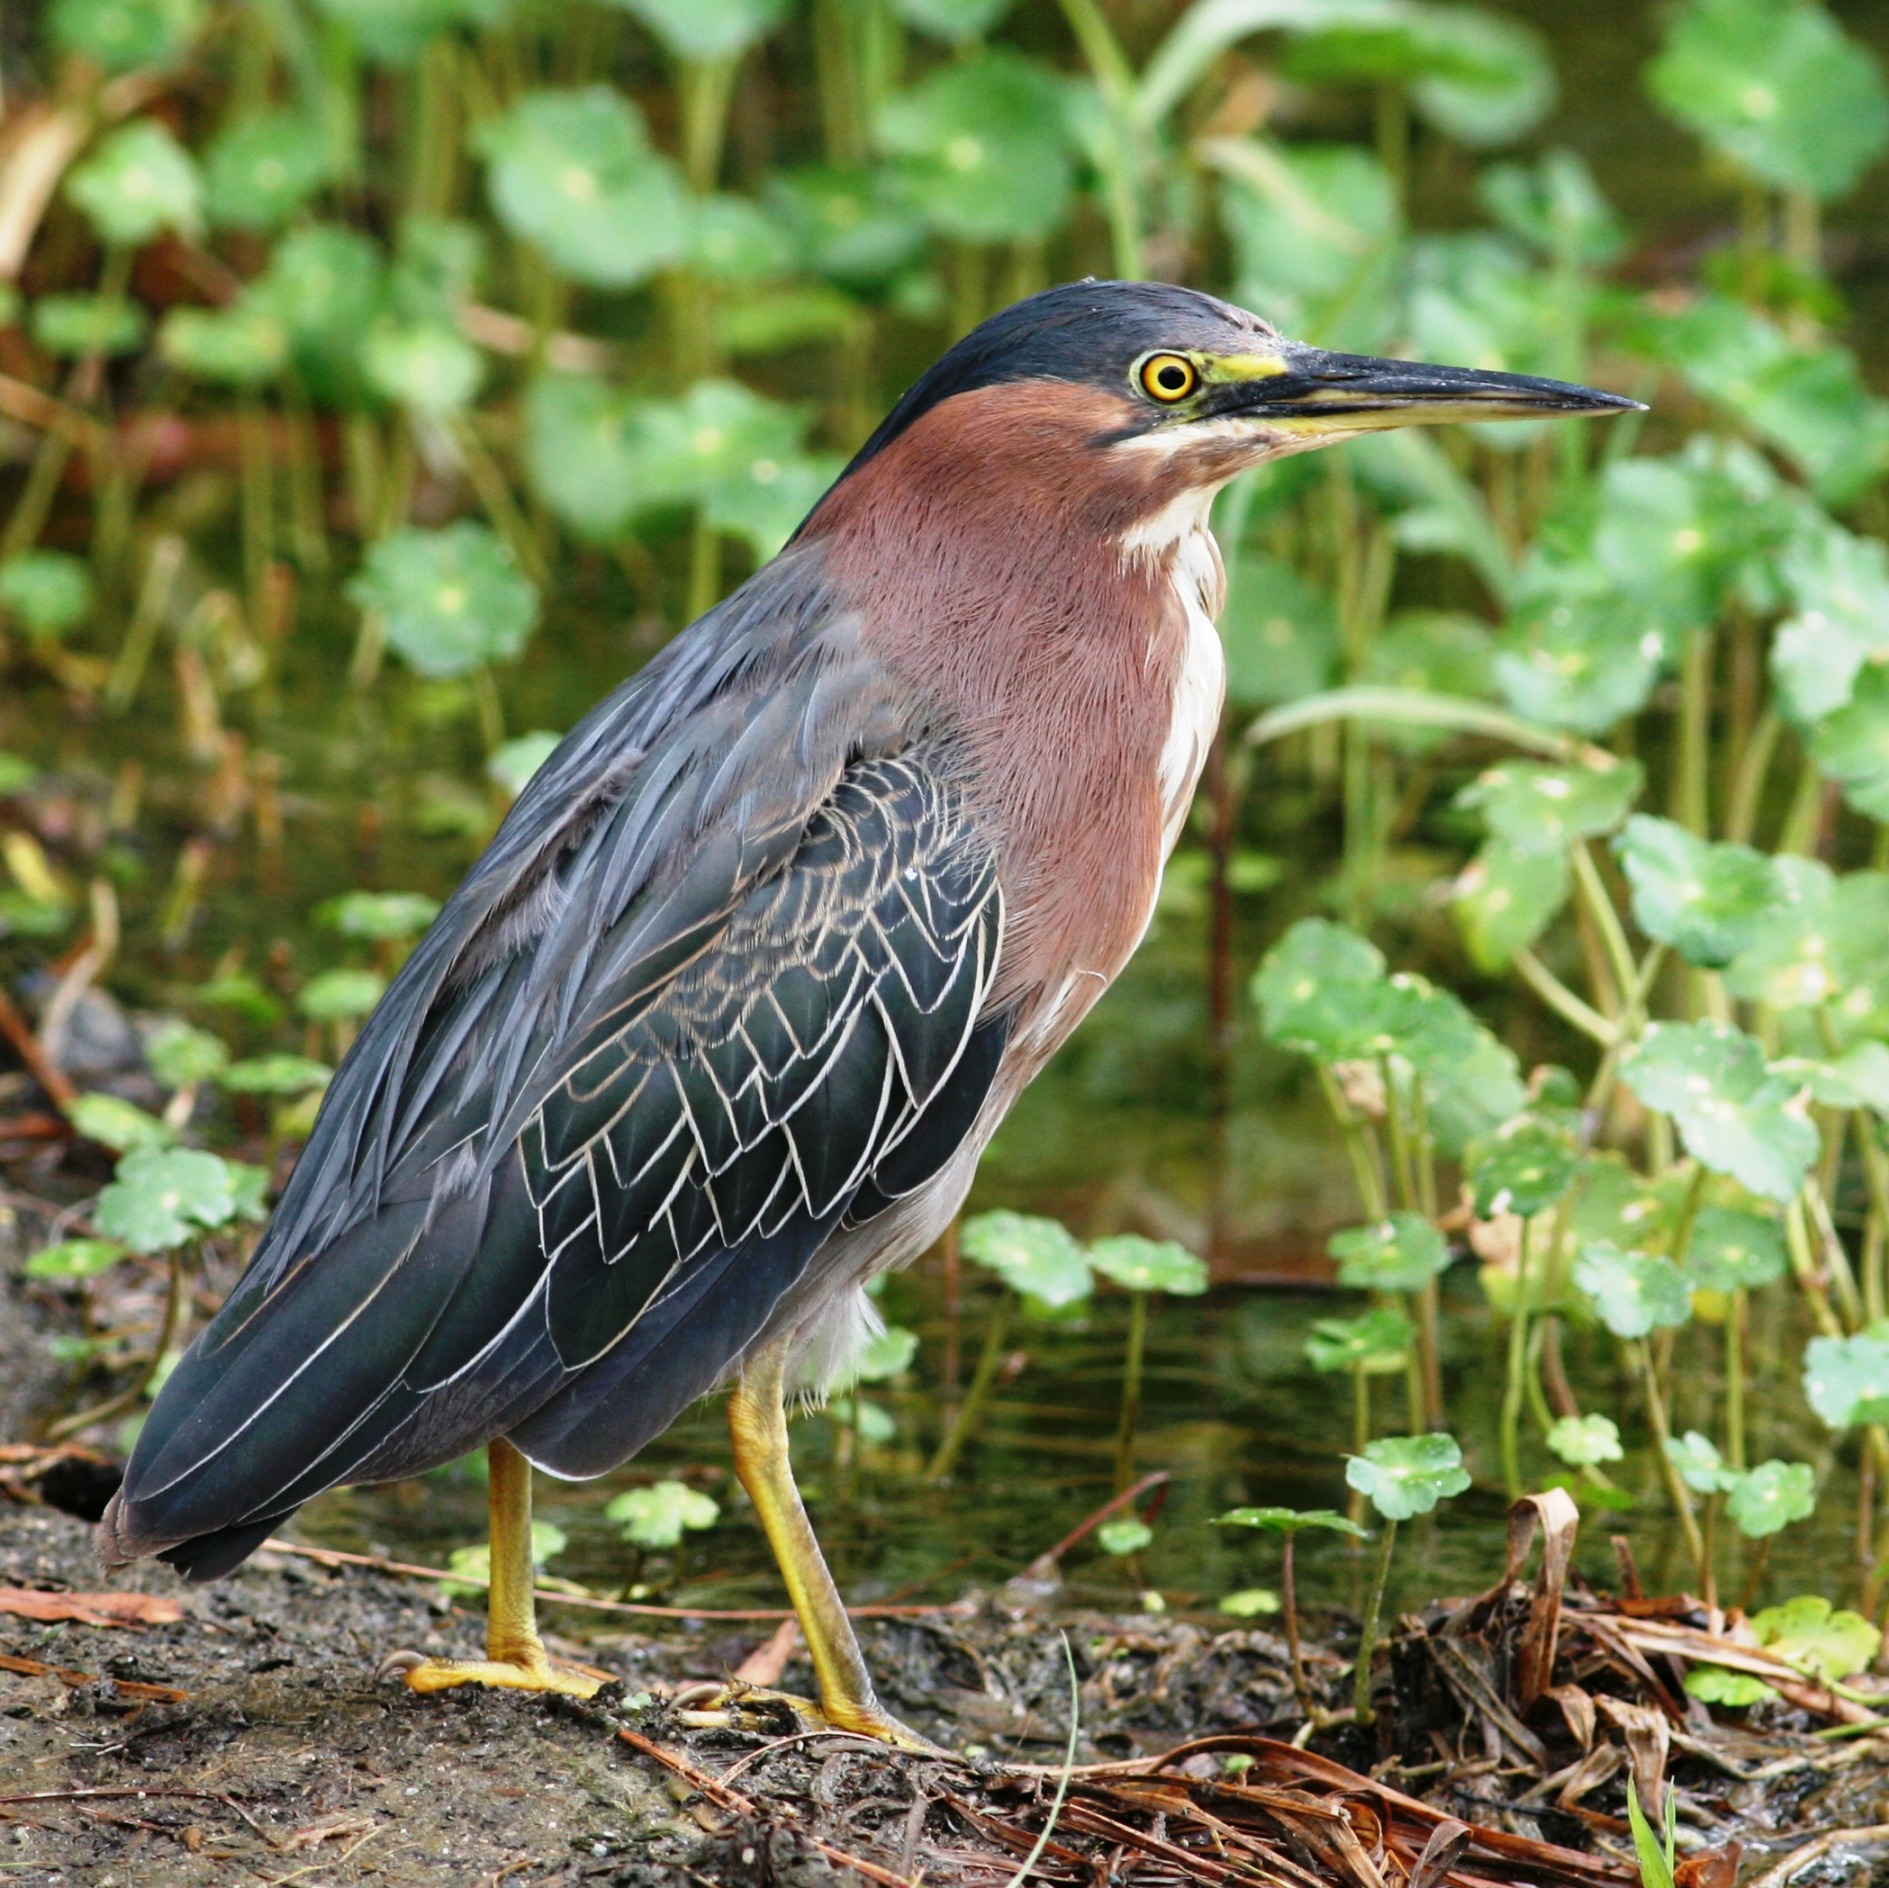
(186, 1730)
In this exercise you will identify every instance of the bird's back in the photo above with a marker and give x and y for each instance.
(717, 992)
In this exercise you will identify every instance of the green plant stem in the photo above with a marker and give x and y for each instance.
(1289, 1592)
(1512, 1385)
(1430, 1353)
(1360, 1431)
(971, 1410)
(1565, 1004)
(494, 493)
(1120, 159)
(1591, 889)
(1367, 1640)
(176, 1308)
(1688, 1215)
(1836, 1259)
(707, 90)
(1804, 1268)
(1131, 1390)
(147, 618)
(1360, 1146)
(1414, 708)
(1690, 787)
(1662, 1435)
(1754, 764)
(1735, 1313)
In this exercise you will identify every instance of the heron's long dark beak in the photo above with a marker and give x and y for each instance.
(1321, 393)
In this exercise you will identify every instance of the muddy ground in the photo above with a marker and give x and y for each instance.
(285, 1760)
(247, 1740)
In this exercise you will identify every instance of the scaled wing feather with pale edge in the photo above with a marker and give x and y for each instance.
(717, 991)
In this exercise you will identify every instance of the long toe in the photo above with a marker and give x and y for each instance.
(420, 1673)
(755, 1708)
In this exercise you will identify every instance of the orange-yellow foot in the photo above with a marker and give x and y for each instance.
(710, 1707)
(420, 1673)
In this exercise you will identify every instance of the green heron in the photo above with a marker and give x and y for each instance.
(717, 1027)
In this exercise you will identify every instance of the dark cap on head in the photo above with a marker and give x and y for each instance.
(1090, 332)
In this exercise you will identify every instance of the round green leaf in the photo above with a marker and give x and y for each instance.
(326, 285)
(1036, 1257)
(513, 763)
(1826, 939)
(1732, 1114)
(74, 1259)
(1634, 1292)
(984, 147)
(161, 1197)
(573, 171)
(1821, 1642)
(243, 345)
(1478, 77)
(1846, 1379)
(118, 1124)
(854, 227)
(396, 32)
(579, 453)
(121, 35)
(1586, 1441)
(1504, 899)
(889, 1354)
(1768, 1498)
(181, 1055)
(1714, 1684)
(276, 1075)
(339, 996)
(1402, 1476)
(380, 916)
(45, 592)
(454, 599)
(1525, 1166)
(1316, 231)
(262, 171)
(707, 29)
(88, 324)
(1376, 1342)
(1839, 586)
(1852, 744)
(1290, 1520)
(1777, 87)
(426, 365)
(138, 183)
(1580, 660)
(1400, 1253)
(1280, 635)
(1126, 1534)
(657, 1516)
(1138, 1264)
(1705, 900)
(1250, 1602)
(1734, 1251)
(956, 21)
(1698, 1463)
(764, 501)
(1315, 986)
(1555, 206)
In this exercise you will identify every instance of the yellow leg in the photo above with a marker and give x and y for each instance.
(757, 1418)
(515, 1655)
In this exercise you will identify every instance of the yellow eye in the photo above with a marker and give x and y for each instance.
(1168, 377)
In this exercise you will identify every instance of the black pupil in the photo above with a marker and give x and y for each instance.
(1172, 377)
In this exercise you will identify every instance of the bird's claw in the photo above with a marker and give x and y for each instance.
(719, 1707)
(420, 1673)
